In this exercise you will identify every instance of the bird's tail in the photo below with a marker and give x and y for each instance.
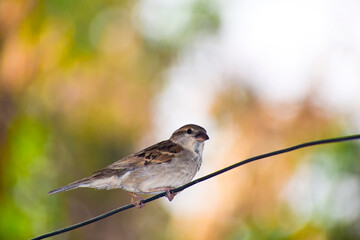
(80, 183)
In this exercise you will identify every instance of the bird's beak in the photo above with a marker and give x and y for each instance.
(201, 136)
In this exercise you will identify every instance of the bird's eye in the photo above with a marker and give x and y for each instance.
(189, 131)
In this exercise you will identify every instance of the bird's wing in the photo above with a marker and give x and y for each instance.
(162, 152)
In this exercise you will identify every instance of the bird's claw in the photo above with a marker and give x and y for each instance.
(138, 202)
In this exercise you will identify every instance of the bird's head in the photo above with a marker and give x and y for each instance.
(190, 136)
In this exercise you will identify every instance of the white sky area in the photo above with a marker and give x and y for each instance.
(283, 50)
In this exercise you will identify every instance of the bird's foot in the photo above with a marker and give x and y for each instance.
(138, 200)
(169, 195)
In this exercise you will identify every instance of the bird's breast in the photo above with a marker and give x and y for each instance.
(177, 172)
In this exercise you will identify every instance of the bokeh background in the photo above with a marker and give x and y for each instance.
(84, 83)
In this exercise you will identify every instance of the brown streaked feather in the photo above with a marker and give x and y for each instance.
(161, 152)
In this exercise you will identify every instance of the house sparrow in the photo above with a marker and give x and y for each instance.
(159, 168)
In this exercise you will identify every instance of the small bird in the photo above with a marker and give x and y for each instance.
(159, 168)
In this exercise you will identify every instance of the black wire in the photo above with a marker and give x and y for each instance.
(150, 199)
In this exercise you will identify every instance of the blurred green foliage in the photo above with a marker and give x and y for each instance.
(77, 81)
(25, 209)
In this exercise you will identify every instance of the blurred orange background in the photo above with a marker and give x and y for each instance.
(85, 83)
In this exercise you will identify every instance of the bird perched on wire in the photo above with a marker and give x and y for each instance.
(159, 168)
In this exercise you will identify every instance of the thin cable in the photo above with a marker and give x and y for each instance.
(150, 199)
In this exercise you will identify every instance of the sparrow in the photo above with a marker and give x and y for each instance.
(159, 168)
